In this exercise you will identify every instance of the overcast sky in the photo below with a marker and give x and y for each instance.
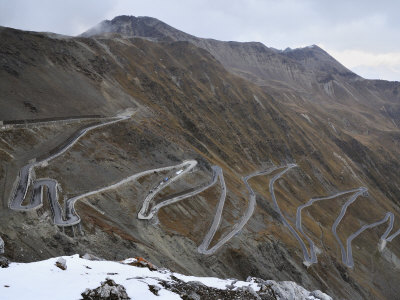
(362, 35)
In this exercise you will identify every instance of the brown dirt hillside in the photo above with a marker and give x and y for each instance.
(189, 105)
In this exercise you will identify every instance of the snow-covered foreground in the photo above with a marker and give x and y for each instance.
(44, 280)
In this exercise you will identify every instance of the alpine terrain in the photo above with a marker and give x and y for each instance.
(206, 157)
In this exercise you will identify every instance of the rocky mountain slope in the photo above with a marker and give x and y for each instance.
(241, 106)
(309, 72)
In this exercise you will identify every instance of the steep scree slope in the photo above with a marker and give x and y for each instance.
(190, 107)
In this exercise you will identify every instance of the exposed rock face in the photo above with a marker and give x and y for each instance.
(4, 262)
(269, 290)
(289, 290)
(108, 290)
(196, 290)
(1, 246)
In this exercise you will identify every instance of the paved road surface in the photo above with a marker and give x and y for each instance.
(187, 165)
(307, 258)
(361, 190)
(349, 261)
(237, 227)
(70, 204)
(26, 179)
(312, 258)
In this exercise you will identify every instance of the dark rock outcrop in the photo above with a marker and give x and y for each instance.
(108, 290)
(4, 262)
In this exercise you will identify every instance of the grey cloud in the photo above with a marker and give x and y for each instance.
(65, 17)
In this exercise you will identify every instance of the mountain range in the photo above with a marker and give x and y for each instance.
(315, 137)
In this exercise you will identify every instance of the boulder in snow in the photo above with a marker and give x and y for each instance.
(140, 262)
(107, 290)
(4, 262)
(61, 263)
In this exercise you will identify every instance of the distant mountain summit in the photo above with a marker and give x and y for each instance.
(294, 68)
(130, 26)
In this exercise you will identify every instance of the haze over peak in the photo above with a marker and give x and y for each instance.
(130, 26)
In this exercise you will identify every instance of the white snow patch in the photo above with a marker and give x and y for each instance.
(333, 127)
(381, 245)
(50, 282)
(258, 101)
(307, 118)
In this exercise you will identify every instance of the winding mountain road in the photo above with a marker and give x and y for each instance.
(312, 256)
(189, 165)
(26, 179)
(70, 210)
(361, 190)
(309, 259)
(237, 227)
(347, 254)
(217, 174)
(349, 259)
